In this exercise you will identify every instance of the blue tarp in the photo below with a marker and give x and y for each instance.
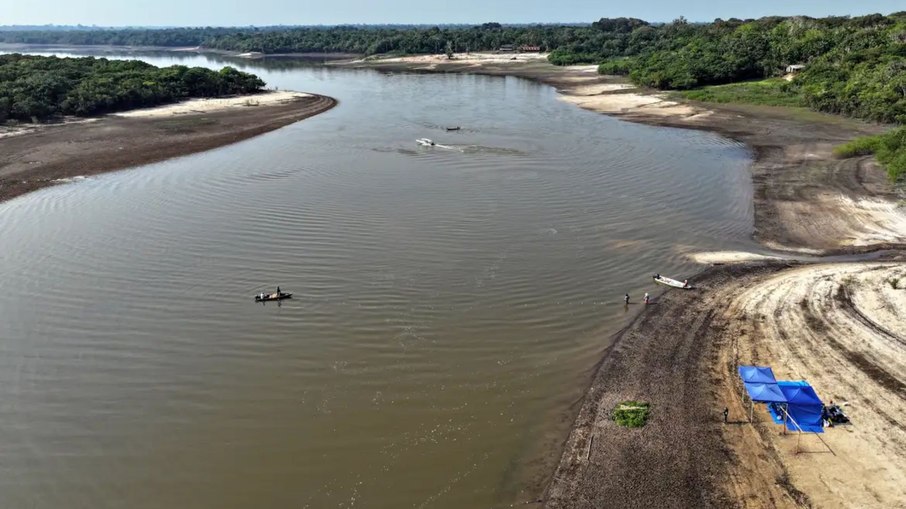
(765, 393)
(757, 374)
(799, 392)
(803, 405)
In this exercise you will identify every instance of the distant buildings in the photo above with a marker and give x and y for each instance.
(525, 48)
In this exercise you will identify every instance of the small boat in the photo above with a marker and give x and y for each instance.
(454, 128)
(265, 297)
(671, 282)
(427, 142)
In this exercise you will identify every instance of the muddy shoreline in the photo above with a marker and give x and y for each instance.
(50, 153)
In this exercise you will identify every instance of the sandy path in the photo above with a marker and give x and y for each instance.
(842, 327)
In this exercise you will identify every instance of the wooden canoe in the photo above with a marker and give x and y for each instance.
(273, 296)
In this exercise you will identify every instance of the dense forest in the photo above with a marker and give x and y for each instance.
(40, 88)
(853, 66)
(365, 40)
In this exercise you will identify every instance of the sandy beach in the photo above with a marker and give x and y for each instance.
(35, 156)
(839, 326)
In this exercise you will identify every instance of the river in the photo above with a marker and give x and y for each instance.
(450, 303)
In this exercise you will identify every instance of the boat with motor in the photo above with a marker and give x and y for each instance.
(427, 142)
(671, 282)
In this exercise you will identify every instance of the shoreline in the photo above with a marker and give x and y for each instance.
(47, 154)
(681, 354)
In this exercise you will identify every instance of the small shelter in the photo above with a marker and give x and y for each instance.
(793, 69)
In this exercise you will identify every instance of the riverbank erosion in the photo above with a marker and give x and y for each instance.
(806, 200)
(36, 156)
(838, 326)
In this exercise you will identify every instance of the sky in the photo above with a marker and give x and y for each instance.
(330, 12)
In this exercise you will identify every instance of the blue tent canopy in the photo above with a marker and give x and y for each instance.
(802, 404)
(765, 393)
(799, 392)
(808, 417)
(757, 374)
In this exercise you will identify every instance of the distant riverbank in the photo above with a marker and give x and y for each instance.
(36, 156)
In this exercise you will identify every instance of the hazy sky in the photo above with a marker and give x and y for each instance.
(308, 12)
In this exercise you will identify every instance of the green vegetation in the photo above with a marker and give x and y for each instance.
(853, 66)
(621, 66)
(35, 88)
(631, 414)
(889, 149)
(769, 92)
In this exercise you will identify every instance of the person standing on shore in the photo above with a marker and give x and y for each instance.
(646, 298)
(626, 299)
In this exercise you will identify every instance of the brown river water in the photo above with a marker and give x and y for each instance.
(450, 303)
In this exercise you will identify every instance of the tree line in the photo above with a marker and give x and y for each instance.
(854, 65)
(36, 88)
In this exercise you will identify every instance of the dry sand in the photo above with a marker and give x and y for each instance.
(477, 58)
(839, 326)
(621, 99)
(842, 327)
(210, 105)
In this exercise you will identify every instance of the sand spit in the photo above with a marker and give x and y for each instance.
(209, 105)
(50, 154)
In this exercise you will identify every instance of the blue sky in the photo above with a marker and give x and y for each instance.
(306, 12)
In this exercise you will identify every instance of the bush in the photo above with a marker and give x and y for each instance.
(616, 66)
(631, 414)
(565, 57)
(889, 149)
(770, 92)
(858, 147)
